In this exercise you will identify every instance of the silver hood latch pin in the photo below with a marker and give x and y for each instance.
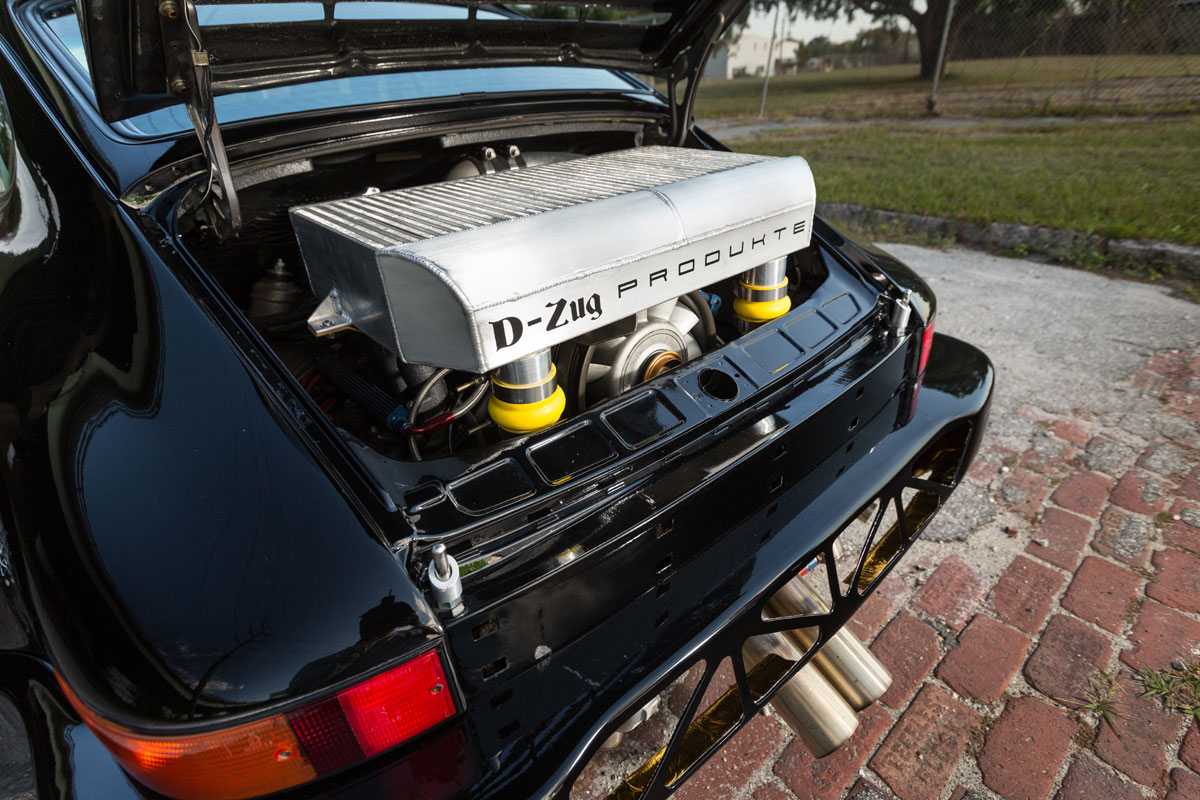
(446, 580)
(901, 308)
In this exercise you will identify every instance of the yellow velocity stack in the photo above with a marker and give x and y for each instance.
(526, 396)
(761, 294)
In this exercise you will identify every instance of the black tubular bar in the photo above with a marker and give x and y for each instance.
(844, 602)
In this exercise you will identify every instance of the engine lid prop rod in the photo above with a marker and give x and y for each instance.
(190, 79)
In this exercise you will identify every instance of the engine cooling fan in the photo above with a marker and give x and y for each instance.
(620, 356)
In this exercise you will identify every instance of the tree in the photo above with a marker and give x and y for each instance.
(928, 23)
(820, 45)
(882, 39)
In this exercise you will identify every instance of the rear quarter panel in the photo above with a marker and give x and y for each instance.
(174, 545)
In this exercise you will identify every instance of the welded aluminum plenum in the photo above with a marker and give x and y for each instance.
(475, 273)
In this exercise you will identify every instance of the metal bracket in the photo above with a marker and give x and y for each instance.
(329, 316)
(190, 79)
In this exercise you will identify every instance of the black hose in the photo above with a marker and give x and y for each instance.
(369, 397)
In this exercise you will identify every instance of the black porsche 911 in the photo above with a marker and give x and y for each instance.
(400, 399)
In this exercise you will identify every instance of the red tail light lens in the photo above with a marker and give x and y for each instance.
(926, 344)
(397, 705)
(285, 750)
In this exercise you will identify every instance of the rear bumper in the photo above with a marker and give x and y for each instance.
(700, 582)
(747, 514)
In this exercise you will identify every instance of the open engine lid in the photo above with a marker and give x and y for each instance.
(147, 54)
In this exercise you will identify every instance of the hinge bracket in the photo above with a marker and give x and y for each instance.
(189, 78)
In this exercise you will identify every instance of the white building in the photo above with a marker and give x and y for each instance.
(748, 57)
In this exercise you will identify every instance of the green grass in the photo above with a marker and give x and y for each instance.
(1068, 85)
(1136, 179)
(1176, 688)
(1101, 695)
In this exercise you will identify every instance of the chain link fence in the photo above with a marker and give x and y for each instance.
(1021, 58)
(1118, 57)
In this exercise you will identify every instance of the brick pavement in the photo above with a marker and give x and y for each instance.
(1086, 566)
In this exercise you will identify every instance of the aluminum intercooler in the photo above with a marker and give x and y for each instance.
(474, 273)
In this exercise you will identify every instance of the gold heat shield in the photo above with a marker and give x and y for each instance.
(939, 466)
(706, 729)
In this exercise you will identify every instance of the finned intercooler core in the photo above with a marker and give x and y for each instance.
(475, 273)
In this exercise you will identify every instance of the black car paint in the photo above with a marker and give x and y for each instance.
(173, 521)
(186, 542)
(957, 387)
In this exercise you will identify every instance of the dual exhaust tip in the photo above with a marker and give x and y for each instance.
(821, 702)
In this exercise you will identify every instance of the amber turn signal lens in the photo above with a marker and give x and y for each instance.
(285, 750)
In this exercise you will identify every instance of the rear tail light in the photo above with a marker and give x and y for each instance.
(926, 344)
(285, 750)
(910, 410)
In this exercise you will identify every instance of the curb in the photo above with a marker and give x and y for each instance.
(1051, 242)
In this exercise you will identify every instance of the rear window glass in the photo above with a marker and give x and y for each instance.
(62, 22)
(249, 13)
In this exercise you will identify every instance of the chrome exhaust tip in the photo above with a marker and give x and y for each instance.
(807, 703)
(849, 666)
